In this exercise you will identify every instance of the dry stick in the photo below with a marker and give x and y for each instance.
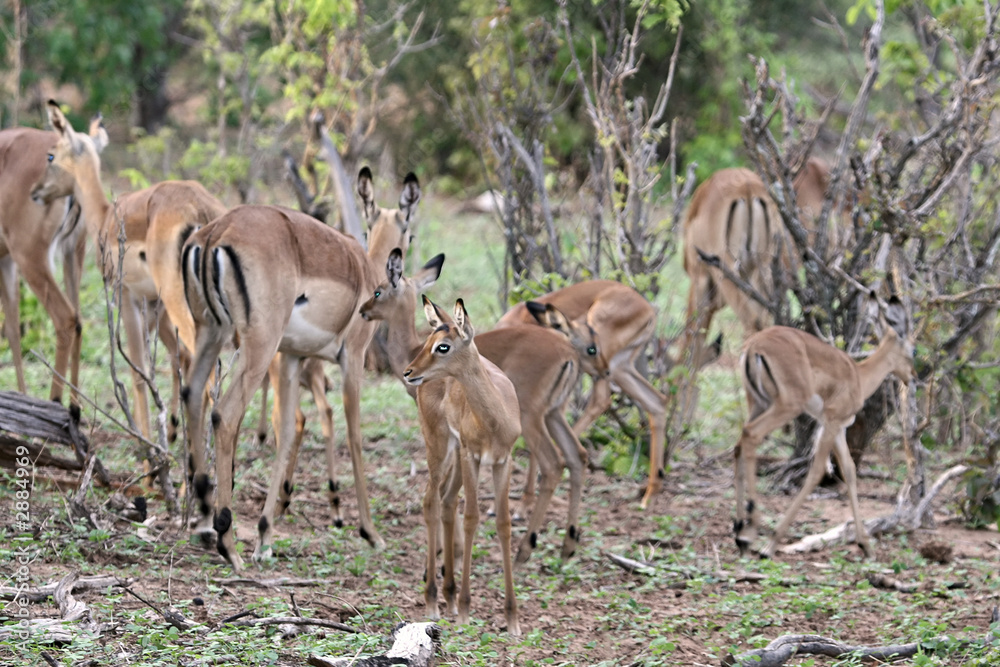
(267, 583)
(170, 616)
(877, 526)
(81, 585)
(782, 649)
(295, 620)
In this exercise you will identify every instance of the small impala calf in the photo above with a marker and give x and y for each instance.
(469, 417)
(787, 372)
(623, 322)
(541, 363)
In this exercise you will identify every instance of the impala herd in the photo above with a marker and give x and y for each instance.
(207, 277)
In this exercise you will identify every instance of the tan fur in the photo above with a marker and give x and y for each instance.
(462, 395)
(787, 372)
(32, 230)
(332, 275)
(154, 220)
(623, 323)
(543, 366)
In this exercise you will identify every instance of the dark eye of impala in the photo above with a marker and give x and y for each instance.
(378, 293)
(443, 348)
(51, 157)
(592, 351)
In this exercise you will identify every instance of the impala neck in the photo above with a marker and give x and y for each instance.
(873, 370)
(93, 202)
(482, 395)
(402, 343)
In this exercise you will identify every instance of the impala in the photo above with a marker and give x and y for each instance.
(280, 281)
(788, 372)
(622, 322)
(156, 221)
(543, 367)
(32, 235)
(732, 217)
(469, 417)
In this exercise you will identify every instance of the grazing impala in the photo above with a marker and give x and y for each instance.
(623, 323)
(308, 308)
(157, 220)
(32, 235)
(541, 363)
(469, 417)
(787, 372)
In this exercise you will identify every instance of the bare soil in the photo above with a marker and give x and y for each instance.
(584, 612)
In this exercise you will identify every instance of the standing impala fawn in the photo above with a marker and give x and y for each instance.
(623, 323)
(469, 417)
(32, 234)
(787, 372)
(541, 363)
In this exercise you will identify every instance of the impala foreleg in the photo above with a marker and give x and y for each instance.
(470, 480)
(352, 370)
(432, 521)
(501, 488)
(452, 484)
(10, 297)
(816, 471)
(317, 384)
(846, 463)
(135, 334)
(64, 317)
(286, 402)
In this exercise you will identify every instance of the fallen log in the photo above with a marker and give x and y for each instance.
(80, 585)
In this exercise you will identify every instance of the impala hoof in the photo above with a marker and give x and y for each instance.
(263, 553)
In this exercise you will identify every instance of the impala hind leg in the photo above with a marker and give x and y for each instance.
(653, 402)
(193, 396)
(540, 443)
(563, 436)
(452, 545)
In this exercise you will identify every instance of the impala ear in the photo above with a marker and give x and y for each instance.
(409, 197)
(897, 317)
(57, 119)
(394, 267)
(98, 133)
(462, 321)
(435, 317)
(367, 193)
(428, 275)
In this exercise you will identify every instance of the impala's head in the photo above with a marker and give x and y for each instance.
(75, 155)
(581, 336)
(397, 295)
(388, 228)
(895, 323)
(448, 347)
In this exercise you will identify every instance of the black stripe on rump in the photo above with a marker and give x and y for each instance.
(204, 285)
(241, 283)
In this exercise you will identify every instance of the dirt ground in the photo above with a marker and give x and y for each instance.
(689, 608)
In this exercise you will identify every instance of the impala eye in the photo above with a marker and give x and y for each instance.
(51, 157)
(592, 351)
(378, 293)
(443, 348)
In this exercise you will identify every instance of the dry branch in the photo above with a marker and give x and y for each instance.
(267, 583)
(80, 585)
(782, 649)
(74, 617)
(293, 620)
